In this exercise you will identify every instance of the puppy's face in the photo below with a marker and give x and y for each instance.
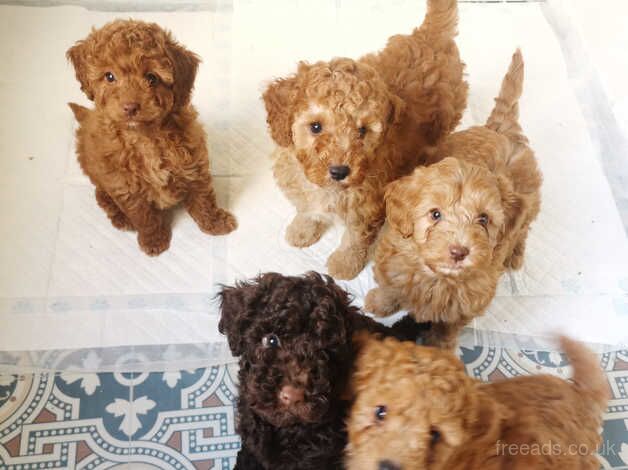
(335, 115)
(413, 408)
(134, 72)
(454, 213)
(291, 334)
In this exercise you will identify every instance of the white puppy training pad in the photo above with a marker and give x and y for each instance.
(71, 284)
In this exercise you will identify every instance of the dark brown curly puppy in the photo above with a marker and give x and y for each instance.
(294, 339)
(142, 146)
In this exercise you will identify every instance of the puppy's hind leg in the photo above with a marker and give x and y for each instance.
(118, 219)
(211, 219)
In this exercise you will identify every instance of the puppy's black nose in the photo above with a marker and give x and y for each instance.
(131, 109)
(458, 253)
(388, 465)
(339, 172)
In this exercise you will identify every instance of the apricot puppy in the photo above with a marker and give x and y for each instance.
(345, 128)
(416, 409)
(455, 225)
(142, 145)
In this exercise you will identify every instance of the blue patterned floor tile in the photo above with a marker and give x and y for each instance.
(186, 419)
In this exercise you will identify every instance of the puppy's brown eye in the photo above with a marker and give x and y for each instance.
(435, 214)
(271, 341)
(110, 77)
(483, 219)
(316, 127)
(362, 131)
(152, 79)
(434, 436)
(380, 412)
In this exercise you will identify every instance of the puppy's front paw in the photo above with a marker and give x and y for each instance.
(380, 304)
(121, 222)
(304, 231)
(346, 264)
(155, 242)
(219, 222)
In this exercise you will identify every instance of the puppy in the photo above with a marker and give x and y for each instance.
(345, 128)
(293, 338)
(142, 145)
(454, 226)
(416, 409)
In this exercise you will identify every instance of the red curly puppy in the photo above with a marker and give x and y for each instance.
(142, 146)
(345, 128)
(455, 225)
(416, 409)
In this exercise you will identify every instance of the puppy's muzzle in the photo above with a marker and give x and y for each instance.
(289, 395)
(339, 172)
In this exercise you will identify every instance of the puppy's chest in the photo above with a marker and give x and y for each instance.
(160, 171)
(430, 297)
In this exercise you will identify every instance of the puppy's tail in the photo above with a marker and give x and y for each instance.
(441, 19)
(587, 374)
(80, 112)
(505, 115)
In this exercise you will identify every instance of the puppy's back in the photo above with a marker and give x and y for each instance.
(558, 417)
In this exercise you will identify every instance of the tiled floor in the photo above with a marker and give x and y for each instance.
(185, 420)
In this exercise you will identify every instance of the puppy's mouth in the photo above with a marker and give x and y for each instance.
(448, 269)
(134, 123)
(282, 415)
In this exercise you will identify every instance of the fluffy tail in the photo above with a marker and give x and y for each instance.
(80, 112)
(441, 19)
(505, 115)
(587, 374)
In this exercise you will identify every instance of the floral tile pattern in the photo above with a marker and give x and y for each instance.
(185, 419)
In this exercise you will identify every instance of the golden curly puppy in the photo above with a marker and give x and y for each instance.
(142, 146)
(345, 128)
(416, 409)
(455, 225)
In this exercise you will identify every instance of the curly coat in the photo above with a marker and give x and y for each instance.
(345, 128)
(457, 224)
(142, 145)
(416, 409)
(293, 337)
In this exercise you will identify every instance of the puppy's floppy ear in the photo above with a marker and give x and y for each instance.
(232, 314)
(334, 312)
(512, 203)
(487, 416)
(79, 56)
(397, 108)
(185, 64)
(280, 100)
(400, 197)
(239, 306)
(360, 341)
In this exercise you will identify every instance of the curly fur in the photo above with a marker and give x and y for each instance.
(403, 99)
(487, 171)
(439, 418)
(149, 160)
(313, 321)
